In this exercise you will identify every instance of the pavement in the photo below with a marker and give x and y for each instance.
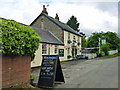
(95, 73)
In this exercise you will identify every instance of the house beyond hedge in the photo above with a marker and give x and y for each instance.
(69, 37)
(49, 45)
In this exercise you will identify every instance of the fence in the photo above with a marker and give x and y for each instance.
(113, 52)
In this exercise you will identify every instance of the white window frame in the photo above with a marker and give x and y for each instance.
(56, 50)
(68, 51)
(78, 51)
(68, 35)
(44, 49)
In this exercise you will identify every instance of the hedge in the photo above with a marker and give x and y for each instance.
(18, 39)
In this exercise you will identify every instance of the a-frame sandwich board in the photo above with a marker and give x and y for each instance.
(50, 71)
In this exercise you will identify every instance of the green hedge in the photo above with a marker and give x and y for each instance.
(18, 39)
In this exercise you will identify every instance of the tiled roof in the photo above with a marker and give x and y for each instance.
(63, 26)
(47, 37)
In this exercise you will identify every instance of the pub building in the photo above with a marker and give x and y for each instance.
(57, 38)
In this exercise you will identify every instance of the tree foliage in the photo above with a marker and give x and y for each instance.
(84, 42)
(111, 38)
(105, 48)
(73, 23)
(18, 39)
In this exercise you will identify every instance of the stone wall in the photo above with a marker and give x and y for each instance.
(45, 24)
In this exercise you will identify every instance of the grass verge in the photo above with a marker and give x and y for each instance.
(111, 56)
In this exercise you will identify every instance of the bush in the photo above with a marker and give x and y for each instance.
(119, 47)
(18, 39)
(105, 48)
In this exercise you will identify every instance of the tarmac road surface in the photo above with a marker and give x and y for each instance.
(95, 73)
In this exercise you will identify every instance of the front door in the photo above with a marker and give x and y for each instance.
(74, 51)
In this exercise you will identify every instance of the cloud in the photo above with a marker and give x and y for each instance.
(91, 16)
(19, 10)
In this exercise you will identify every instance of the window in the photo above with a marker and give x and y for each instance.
(49, 51)
(78, 39)
(56, 50)
(68, 51)
(78, 52)
(68, 36)
(44, 49)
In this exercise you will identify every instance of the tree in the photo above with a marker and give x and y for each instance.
(110, 37)
(105, 48)
(119, 47)
(18, 39)
(83, 40)
(73, 23)
(113, 39)
(93, 41)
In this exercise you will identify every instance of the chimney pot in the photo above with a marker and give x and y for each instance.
(57, 17)
(44, 10)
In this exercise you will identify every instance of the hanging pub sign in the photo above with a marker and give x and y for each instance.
(50, 71)
(61, 52)
(103, 41)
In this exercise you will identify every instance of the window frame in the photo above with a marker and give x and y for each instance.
(56, 49)
(68, 51)
(44, 49)
(68, 35)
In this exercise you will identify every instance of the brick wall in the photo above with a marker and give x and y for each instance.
(15, 70)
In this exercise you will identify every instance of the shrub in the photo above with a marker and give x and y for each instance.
(18, 39)
(105, 48)
(119, 47)
(32, 77)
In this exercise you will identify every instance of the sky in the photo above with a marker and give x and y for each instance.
(93, 15)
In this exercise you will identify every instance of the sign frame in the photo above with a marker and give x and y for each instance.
(47, 80)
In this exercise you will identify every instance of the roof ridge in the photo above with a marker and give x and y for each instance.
(57, 22)
(55, 37)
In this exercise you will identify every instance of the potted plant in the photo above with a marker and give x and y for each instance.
(69, 41)
(69, 56)
(78, 43)
(32, 78)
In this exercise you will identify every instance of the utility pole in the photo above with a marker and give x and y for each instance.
(99, 45)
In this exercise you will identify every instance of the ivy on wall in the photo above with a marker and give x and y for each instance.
(18, 39)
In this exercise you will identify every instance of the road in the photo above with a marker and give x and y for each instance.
(95, 73)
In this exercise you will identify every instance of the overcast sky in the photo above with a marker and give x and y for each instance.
(93, 16)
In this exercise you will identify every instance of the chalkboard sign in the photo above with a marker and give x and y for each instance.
(50, 71)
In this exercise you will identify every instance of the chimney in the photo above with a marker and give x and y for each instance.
(44, 10)
(57, 17)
